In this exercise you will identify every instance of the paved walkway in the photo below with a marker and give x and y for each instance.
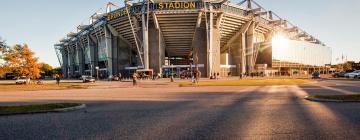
(250, 112)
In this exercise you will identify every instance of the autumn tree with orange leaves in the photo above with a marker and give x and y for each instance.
(20, 60)
(3, 69)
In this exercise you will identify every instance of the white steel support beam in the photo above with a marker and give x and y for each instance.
(210, 43)
(276, 22)
(112, 30)
(145, 40)
(255, 10)
(242, 30)
(260, 13)
(219, 19)
(198, 22)
(293, 29)
(156, 22)
(115, 33)
(242, 53)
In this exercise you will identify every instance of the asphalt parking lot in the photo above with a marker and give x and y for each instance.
(171, 112)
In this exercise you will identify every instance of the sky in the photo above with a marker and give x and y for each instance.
(41, 23)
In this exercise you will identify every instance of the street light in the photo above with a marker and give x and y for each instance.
(91, 68)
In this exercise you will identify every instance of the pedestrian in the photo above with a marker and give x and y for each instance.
(193, 79)
(134, 77)
(57, 78)
(172, 77)
(120, 77)
(198, 75)
(159, 76)
(217, 76)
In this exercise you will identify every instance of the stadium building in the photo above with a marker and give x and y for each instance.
(175, 36)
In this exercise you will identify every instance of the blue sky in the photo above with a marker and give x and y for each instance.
(41, 23)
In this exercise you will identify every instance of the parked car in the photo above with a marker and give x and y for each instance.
(339, 74)
(354, 74)
(316, 75)
(87, 79)
(21, 80)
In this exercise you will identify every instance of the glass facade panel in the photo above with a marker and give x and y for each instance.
(301, 52)
(87, 55)
(102, 50)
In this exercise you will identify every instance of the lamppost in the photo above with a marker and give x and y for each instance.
(91, 70)
(68, 72)
(97, 72)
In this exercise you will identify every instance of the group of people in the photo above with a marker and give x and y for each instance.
(215, 76)
(116, 77)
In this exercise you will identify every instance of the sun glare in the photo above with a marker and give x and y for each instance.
(280, 41)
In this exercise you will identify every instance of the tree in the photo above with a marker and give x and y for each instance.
(339, 67)
(57, 70)
(347, 66)
(21, 61)
(2, 44)
(3, 69)
(46, 69)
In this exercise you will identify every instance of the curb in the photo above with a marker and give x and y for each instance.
(47, 111)
(329, 100)
(69, 108)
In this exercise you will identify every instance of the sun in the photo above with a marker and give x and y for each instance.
(280, 45)
(280, 41)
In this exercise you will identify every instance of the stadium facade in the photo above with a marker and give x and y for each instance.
(211, 36)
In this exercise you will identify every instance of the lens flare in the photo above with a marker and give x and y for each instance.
(280, 41)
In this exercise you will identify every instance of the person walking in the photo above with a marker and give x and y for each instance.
(120, 77)
(57, 78)
(198, 75)
(134, 77)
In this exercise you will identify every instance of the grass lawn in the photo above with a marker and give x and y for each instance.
(35, 108)
(46, 86)
(353, 97)
(248, 82)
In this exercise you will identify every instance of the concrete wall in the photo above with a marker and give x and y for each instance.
(201, 49)
(115, 54)
(235, 56)
(216, 51)
(156, 49)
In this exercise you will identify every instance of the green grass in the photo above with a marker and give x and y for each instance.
(35, 108)
(353, 97)
(248, 82)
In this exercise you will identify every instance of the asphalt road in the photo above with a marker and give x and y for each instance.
(265, 112)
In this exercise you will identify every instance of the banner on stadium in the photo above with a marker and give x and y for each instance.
(174, 5)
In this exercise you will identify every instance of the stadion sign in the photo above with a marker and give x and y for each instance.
(156, 6)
